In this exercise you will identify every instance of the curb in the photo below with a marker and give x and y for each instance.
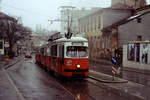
(106, 84)
(9, 65)
(119, 92)
(107, 81)
(14, 86)
(11, 81)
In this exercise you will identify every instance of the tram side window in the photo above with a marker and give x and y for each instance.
(45, 50)
(1, 45)
(48, 51)
(42, 51)
(54, 51)
(61, 51)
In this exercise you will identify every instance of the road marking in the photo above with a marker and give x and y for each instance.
(12, 83)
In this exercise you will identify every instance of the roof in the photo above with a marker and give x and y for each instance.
(123, 21)
(129, 18)
(73, 39)
(108, 28)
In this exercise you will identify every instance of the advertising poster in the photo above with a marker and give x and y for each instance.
(131, 52)
(144, 53)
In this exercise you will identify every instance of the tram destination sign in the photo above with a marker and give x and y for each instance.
(77, 43)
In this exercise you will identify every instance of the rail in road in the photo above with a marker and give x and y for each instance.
(91, 88)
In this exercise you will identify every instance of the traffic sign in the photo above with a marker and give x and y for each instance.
(114, 60)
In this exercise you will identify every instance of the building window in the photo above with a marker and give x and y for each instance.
(99, 22)
(103, 44)
(131, 52)
(139, 38)
(98, 42)
(107, 41)
(94, 41)
(95, 23)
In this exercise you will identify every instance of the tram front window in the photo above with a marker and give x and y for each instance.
(77, 51)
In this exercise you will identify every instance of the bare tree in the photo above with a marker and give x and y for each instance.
(12, 32)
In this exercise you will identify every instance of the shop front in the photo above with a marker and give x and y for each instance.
(136, 62)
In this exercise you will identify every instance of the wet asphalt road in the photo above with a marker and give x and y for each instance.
(34, 83)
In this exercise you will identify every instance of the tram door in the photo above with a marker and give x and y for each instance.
(61, 58)
(53, 56)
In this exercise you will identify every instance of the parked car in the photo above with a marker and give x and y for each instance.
(28, 55)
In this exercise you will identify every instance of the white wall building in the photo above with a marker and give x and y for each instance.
(75, 14)
(129, 3)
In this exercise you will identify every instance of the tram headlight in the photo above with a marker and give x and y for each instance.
(78, 66)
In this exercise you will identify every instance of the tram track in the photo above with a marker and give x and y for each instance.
(78, 89)
(77, 92)
(88, 88)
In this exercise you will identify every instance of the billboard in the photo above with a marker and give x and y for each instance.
(131, 52)
(145, 52)
(139, 52)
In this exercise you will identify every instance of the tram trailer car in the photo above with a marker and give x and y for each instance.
(66, 57)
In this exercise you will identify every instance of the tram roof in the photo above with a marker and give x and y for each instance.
(73, 39)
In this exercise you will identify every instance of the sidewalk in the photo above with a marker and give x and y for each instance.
(122, 87)
(6, 89)
(128, 89)
(4, 64)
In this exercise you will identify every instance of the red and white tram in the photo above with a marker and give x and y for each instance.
(66, 57)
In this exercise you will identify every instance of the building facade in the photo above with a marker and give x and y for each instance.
(136, 62)
(72, 16)
(92, 25)
(136, 55)
(129, 3)
(135, 27)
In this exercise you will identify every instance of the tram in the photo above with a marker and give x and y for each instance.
(66, 57)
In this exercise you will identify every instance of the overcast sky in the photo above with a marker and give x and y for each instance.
(35, 12)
